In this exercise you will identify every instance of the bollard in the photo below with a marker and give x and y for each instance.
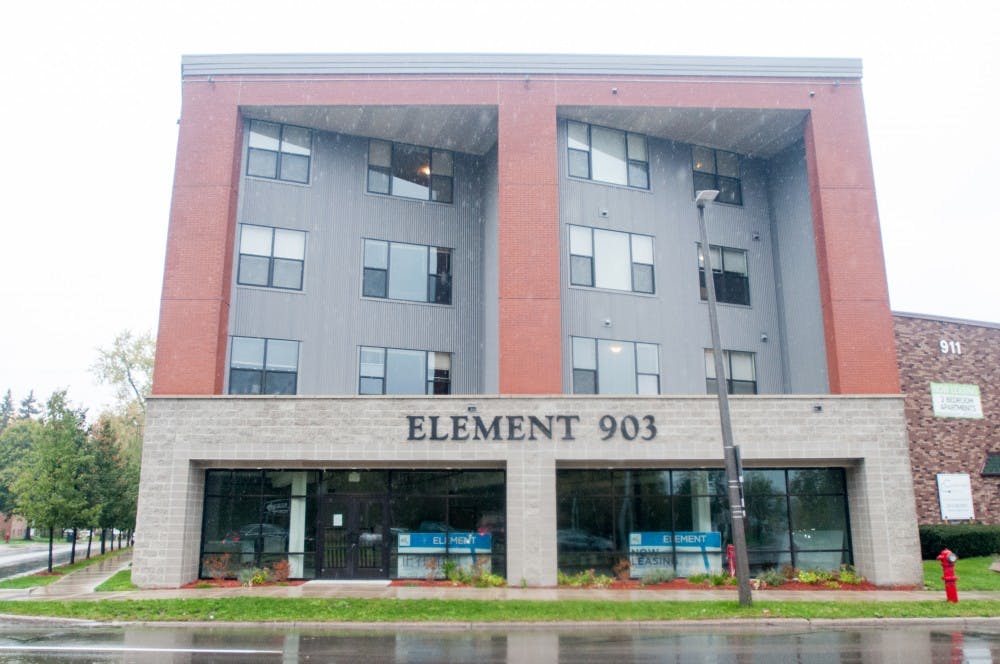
(947, 559)
(731, 559)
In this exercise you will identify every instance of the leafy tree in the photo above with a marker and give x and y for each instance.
(16, 442)
(51, 484)
(6, 411)
(29, 407)
(114, 483)
(128, 367)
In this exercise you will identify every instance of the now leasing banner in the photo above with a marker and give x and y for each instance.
(422, 555)
(697, 553)
(956, 400)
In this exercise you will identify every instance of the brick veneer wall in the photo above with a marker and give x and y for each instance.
(950, 445)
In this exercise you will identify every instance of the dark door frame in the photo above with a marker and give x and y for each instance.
(358, 548)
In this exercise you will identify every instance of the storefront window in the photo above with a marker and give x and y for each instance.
(258, 519)
(353, 523)
(679, 520)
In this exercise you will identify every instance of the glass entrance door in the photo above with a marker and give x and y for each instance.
(354, 538)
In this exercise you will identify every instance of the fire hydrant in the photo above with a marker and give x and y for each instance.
(947, 559)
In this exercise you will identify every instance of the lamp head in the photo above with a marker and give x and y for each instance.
(705, 196)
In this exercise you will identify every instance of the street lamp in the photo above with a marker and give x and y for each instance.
(733, 480)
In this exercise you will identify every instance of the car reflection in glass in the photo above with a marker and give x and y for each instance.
(580, 540)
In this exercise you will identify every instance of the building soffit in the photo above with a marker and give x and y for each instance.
(473, 129)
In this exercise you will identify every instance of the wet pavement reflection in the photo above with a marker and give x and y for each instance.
(29, 643)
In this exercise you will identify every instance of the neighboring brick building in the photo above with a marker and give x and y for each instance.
(961, 439)
(418, 306)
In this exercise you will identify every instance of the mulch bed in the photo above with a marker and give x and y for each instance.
(676, 584)
(233, 583)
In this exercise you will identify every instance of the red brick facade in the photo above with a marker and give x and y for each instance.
(944, 444)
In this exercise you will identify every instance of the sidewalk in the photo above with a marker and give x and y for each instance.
(80, 586)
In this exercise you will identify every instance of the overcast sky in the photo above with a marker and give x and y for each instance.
(91, 97)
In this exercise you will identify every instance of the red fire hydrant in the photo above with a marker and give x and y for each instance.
(731, 559)
(947, 559)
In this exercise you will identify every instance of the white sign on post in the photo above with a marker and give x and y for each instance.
(955, 496)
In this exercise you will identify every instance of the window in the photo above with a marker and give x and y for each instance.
(720, 170)
(992, 466)
(607, 155)
(398, 371)
(411, 171)
(271, 257)
(609, 259)
(606, 366)
(741, 376)
(263, 366)
(729, 272)
(407, 272)
(279, 152)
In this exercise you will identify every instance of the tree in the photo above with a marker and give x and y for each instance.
(16, 442)
(128, 367)
(6, 411)
(51, 484)
(29, 407)
(114, 484)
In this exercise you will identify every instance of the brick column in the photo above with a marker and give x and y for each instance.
(860, 346)
(194, 307)
(528, 199)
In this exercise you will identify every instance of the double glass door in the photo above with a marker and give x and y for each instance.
(354, 537)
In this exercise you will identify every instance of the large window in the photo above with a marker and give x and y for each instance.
(263, 366)
(606, 366)
(399, 371)
(407, 272)
(720, 170)
(794, 516)
(279, 152)
(257, 518)
(411, 171)
(610, 259)
(729, 272)
(741, 374)
(607, 155)
(271, 257)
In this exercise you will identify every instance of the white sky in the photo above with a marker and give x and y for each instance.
(91, 97)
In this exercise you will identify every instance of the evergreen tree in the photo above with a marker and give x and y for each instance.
(6, 411)
(16, 442)
(29, 407)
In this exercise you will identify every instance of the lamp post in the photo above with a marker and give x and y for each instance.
(733, 480)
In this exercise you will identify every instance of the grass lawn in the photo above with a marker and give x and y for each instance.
(258, 609)
(972, 573)
(122, 580)
(33, 580)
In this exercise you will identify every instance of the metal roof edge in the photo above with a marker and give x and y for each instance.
(946, 319)
(516, 64)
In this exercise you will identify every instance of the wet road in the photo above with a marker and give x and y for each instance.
(25, 644)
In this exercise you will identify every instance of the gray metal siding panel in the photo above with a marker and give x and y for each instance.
(489, 377)
(798, 278)
(330, 317)
(516, 64)
(675, 317)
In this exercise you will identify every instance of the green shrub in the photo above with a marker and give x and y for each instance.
(585, 579)
(850, 576)
(965, 540)
(698, 578)
(252, 576)
(772, 577)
